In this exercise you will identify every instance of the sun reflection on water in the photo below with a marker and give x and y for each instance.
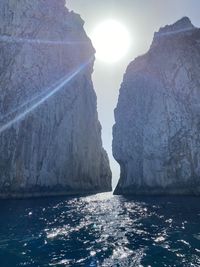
(100, 230)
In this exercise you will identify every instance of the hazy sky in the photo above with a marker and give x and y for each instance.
(141, 18)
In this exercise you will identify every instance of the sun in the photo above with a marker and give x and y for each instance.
(111, 40)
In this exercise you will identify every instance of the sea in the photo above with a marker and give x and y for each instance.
(100, 230)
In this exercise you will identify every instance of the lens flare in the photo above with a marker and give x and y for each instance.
(41, 98)
(16, 39)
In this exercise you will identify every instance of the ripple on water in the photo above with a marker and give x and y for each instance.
(100, 230)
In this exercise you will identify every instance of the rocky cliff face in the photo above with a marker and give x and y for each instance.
(157, 130)
(50, 137)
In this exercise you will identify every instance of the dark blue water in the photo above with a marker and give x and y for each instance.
(101, 230)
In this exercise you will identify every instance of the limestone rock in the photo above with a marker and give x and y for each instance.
(50, 136)
(156, 138)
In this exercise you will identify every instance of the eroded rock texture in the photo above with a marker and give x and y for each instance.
(157, 130)
(50, 137)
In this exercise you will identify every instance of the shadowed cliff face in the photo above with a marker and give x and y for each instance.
(157, 131)
(50, 136)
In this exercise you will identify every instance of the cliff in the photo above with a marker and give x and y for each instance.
(156, 138)
(50, 136)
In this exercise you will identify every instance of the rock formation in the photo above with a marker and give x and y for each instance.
(50, 136)
(157, 130)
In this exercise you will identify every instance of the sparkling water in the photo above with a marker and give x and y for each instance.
(100, 230)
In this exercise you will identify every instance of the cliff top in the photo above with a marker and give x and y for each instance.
(181, 26)
(162, 39)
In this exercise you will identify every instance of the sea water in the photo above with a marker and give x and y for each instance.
(100, 230)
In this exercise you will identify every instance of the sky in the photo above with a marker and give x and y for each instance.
(141, 18)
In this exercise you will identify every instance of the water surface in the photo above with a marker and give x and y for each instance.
(100, 230)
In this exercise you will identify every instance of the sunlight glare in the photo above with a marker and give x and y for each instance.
(111, 40)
